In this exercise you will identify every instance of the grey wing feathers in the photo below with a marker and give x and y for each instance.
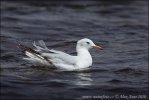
(41, 47)
(54, 54)
(44, 54)
(32, 53)
(42, 44)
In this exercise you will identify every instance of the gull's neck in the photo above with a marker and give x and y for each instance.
(83, 52)
(85, 59)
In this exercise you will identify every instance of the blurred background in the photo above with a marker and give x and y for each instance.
(121, 27)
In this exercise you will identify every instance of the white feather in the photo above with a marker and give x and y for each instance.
(60, 59)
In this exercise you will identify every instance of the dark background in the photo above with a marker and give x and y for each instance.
(121, 68)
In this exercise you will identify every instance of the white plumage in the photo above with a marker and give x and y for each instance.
(42, 56)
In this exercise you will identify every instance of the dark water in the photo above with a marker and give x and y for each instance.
(121, 68)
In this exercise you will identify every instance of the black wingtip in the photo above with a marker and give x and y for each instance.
(25, 48)
(21, 47)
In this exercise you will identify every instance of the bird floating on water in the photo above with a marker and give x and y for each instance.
(42, 56)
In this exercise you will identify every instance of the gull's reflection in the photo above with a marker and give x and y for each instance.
(83, 79)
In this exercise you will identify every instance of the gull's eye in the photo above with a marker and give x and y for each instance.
(88, 42)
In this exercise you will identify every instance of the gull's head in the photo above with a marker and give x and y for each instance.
(87, 44)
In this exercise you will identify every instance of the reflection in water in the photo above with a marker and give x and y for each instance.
(83, 79)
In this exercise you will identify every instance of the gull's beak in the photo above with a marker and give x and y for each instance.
(97, 46)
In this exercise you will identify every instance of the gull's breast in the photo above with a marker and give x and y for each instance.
(84, 62)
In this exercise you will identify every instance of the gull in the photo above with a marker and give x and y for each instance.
(42, 56)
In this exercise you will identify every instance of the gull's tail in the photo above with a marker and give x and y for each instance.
(34, 56)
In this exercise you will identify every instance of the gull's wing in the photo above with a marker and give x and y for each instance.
(61, 57)
(33, 55)
(54, 55)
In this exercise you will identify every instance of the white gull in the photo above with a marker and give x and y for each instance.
(42, 56)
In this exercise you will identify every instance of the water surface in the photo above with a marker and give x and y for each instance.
(120, 68)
